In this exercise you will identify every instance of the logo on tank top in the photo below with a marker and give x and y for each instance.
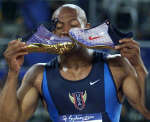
(78, 99)
(94, 82)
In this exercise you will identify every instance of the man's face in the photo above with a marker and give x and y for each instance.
(67, 19)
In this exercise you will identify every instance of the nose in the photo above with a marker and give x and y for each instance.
(65, 31)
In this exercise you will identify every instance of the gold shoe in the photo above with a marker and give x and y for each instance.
(45, 41)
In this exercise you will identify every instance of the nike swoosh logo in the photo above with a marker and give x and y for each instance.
(96, 37)
(92, 83)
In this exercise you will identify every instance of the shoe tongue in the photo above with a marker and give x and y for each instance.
(116, 35)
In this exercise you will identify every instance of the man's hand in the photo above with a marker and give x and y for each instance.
(130, 49)
(14, 54)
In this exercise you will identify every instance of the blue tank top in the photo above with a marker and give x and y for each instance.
(91, 99)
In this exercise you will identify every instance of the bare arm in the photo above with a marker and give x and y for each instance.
(8, 99)
(18, 106)
(14, 107)
(130, 49)
(132, 90)
(28, 93)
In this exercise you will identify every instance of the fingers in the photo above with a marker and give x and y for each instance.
(126, 51)
(12, 42)
(15, 48)
(127, 43)
(128, 46)
(14, 54)
(21, 53)
(130, 49)
(16, 45)
(127, 40)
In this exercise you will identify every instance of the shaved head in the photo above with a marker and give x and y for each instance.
(79, 12)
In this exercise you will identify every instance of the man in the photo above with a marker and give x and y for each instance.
(79, 85)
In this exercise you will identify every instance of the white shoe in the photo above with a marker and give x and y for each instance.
(102, 36)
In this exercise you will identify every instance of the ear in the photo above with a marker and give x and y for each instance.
(88, 25)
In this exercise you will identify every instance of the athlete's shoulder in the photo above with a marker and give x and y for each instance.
(34, 71)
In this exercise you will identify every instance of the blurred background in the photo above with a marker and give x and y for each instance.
(17, 17)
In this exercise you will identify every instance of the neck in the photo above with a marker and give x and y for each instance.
(77, 59)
